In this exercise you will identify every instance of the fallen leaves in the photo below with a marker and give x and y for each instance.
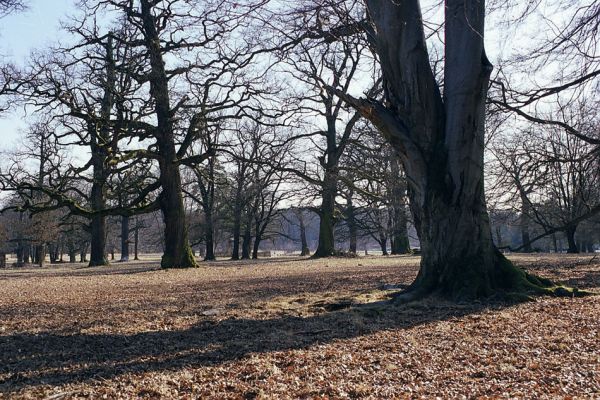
(289, 329)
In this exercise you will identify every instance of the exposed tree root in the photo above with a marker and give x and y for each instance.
(508, 283)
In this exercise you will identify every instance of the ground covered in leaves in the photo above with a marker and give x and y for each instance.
(289, 328)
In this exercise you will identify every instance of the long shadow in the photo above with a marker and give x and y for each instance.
(48, 358)
(77, 271)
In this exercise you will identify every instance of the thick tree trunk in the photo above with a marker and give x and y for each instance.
(178, 253)
(570, 235)
(72, 256)
(20, 253)
(27, 254)
(98, 235)
(124, 238)
(326, 245)
(40, 254)
(441, 142)
(383, 245)
(247, 240)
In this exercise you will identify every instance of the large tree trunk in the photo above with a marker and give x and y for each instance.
(98, 238)
(247, 240)
(124, 238)
(326, 245)
(383, 245)
(40, 254)
(178, 253)
(441, 141)
(570, 234)
(100, 140)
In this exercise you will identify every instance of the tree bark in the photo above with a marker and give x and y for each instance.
(440, 142)
(305, 251)
(383, 245)
(570, 235)
(247, 239)
(326, 245)
(178, 253)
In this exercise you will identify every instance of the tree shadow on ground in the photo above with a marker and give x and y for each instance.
(47, 358)
(62, 271)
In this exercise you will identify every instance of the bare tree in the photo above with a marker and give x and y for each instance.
(440, 139)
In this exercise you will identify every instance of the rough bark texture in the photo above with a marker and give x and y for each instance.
(570, 234)
(326, 245)
(99, 144)
(178, 253)
(440, 141)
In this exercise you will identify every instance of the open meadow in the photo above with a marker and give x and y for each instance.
(289, 328)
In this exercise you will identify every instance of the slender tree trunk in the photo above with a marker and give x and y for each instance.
(326, 245)
(525, 210)
(136, 240)
(570, 235)
(303, 242)
(256, 245)
(207, 207)
(237, 220)
(124, 238)
(209, 236)
(351, 222)
(20, 253)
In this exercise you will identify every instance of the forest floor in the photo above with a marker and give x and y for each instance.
(289, 328)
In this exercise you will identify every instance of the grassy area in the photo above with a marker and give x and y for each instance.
(288, 328)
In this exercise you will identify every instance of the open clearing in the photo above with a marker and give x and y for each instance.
(286, 328)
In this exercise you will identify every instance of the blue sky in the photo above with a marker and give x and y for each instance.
(21, 33)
